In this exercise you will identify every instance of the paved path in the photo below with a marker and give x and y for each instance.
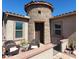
(63, 56)
(31, 53)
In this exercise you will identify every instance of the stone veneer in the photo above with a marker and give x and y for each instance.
(35, 16)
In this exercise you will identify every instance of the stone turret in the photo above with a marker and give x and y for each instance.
(39, 25)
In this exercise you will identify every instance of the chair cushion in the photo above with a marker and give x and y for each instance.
(13, 49)
(34, 46)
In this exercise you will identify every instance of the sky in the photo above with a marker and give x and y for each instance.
(60, 6)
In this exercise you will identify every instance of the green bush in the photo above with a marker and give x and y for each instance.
(24, 42)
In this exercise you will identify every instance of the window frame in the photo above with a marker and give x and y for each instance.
(18, 38)
(60, 29)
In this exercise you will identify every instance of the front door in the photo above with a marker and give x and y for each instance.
(37, 35)
(39, 32)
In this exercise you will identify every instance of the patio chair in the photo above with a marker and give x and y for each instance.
(34, 44)
(11, 48)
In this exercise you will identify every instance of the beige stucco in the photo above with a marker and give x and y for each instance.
(26, 31)
(68, 24)
(64, 44)
(10, 30)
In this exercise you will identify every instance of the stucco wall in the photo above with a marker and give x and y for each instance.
(64, 44)
(68, 24)
(10, 30)
(26, 31)
(54, 38)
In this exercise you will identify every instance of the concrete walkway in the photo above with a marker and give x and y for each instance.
(63, 56)
(32, 53)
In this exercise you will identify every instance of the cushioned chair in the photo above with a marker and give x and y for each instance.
(11, 48)
(34, 44)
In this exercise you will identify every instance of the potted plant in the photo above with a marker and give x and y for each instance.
(24, 45)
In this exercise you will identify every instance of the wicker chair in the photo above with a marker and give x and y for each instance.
(11, 48)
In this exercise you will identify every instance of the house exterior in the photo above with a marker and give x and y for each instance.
(65, 24)
(39, 24)
(10, 21)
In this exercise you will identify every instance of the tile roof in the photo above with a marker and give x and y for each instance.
(15, 14)
(64, 14)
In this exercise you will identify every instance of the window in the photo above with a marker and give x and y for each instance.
(57, 29)
(58, 32)
(57, 26)
(19, 29)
